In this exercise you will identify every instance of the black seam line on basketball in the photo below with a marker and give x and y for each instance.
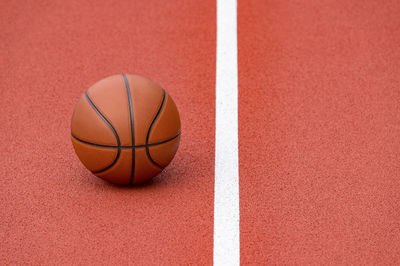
(128, 90)
(126, 147)
(113, 130)
(148, 132)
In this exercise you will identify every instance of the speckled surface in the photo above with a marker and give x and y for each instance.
(319, 131)
(53, 210)
(319, 116)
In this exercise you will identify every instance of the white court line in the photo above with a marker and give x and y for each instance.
(226, 198)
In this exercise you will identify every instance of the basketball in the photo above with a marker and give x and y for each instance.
(125, 129)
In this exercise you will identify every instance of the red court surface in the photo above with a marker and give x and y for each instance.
(53, 210)
(319, 131)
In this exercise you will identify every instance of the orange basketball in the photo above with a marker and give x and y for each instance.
(125, 129)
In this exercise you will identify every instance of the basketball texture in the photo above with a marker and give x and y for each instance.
(125, 129)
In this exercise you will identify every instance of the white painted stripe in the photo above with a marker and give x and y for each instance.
(226, 198)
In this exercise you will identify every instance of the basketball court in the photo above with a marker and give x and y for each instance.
(290, 127)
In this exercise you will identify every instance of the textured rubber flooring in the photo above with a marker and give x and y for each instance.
(319, 131)
(54, 211)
